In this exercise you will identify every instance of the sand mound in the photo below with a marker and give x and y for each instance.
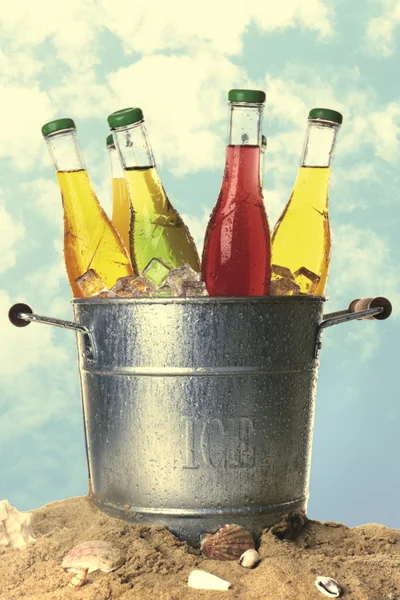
(365, 560)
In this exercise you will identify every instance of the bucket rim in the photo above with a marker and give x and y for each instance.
(203, 300)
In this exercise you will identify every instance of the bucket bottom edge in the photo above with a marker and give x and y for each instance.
(188, 525)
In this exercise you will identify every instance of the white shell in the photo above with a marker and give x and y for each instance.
(95, 555)
(328, 586)
(201, 580)
(15, 526)
(249, 559)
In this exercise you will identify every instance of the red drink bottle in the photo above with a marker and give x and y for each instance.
(237, 247)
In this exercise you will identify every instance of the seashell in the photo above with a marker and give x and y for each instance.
(228, 543)
(327, 586)
(201, 580)
(249, 559)
(15, 526)
(79, 580)
(93, 556)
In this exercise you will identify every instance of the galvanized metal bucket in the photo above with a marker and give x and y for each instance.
(199, 411)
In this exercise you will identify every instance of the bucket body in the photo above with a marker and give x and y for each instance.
(199, 411)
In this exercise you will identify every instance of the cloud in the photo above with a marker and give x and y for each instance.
(187, 126)
(45, 195)
(73, 31)
(11, 233)
(362, 144)
(274, 201)
(155, 27)
(359, 172)
(83, 96)
(27, 109)
(381, 30)
(197, 227)
(363, 265)
(71, 28)
(367, 124)
(19, 67)
(24, 348)
(385, 127)
(313, 14)
(366, 339)
(48, 286)
(72, 35)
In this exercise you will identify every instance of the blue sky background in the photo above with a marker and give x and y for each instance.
(177, 64)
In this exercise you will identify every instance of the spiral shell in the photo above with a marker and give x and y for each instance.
(228, 543)
(93, 556)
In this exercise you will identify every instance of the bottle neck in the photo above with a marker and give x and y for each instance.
(65, 151)
(133, 146)
(243, 161)
(319, 144)
(117, 171)
(244, 124)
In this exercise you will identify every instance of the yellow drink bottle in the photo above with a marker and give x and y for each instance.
(120, 197)
(90, 240)
(156, 229)
(301, 241)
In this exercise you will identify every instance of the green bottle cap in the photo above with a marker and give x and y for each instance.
(126, 116)
(57, 125)
(326, 114)
(250, 96)
(110, 140)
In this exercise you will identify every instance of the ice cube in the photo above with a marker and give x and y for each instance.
(179, 277)
(194, 288)
(307, 280)
(164, 292)
(90, 284)
(278, 271)
(134, 287)
(156, 271)
(284, 287)
(107, 294)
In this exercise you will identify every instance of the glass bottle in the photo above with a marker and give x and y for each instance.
(237, 252)
(262, 160)
(301, 241)
(91, 242)
(157, 230)
(120, 197)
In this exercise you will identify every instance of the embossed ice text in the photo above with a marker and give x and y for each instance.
(219, 443)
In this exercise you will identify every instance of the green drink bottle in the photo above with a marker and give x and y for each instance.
(157, 230)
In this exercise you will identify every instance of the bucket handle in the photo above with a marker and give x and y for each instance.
(21, 315)
(378, 308)
(361, 308)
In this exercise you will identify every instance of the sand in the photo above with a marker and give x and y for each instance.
(365, 560)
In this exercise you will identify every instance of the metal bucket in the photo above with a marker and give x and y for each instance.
(199, 411)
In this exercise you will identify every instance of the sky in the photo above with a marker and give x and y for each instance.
(86, 60)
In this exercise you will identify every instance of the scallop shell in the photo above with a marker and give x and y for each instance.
(228, 543)
(94, 555)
